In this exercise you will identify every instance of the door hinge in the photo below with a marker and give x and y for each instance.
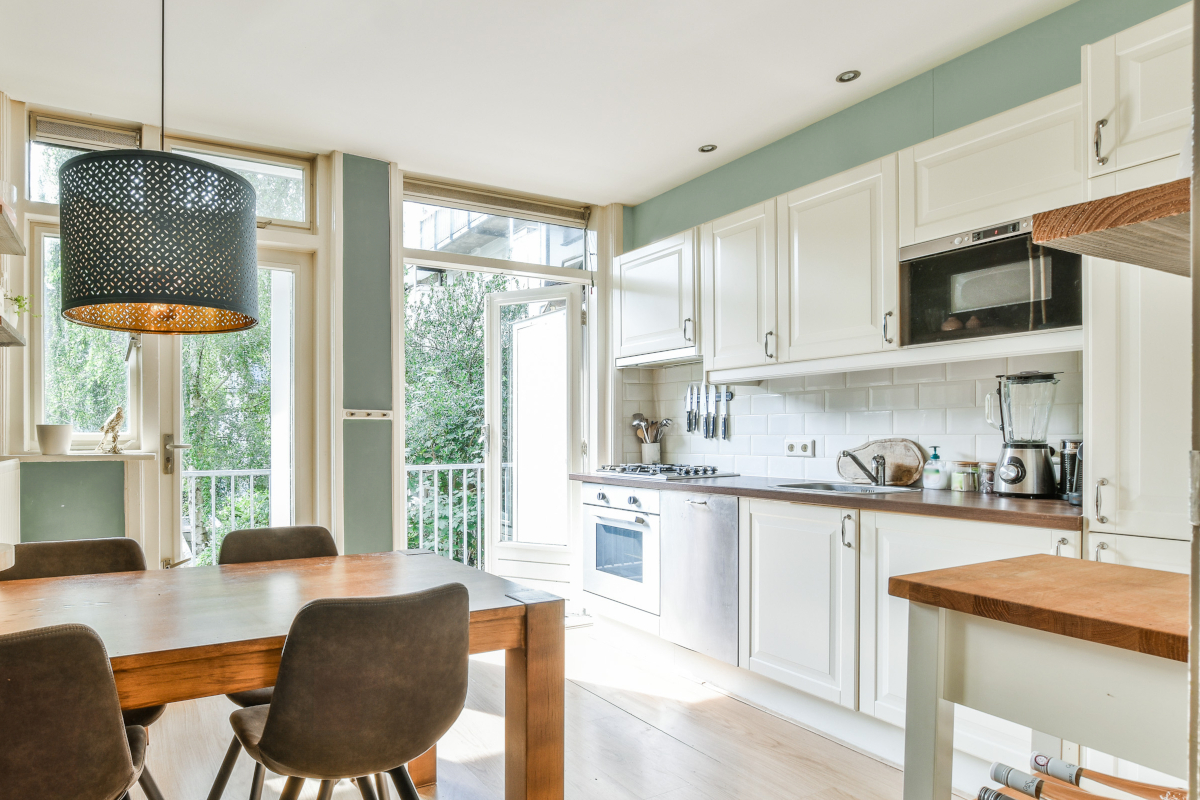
(583, 317)
(583, 447)
(485, 436)
(1194, 487)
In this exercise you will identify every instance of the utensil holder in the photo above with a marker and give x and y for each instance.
(652, 453)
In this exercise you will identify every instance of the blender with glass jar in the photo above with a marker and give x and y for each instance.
(1024, 402)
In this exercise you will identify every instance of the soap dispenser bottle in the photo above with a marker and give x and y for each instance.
(937, 472)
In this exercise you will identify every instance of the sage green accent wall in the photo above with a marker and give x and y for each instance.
(1031, 62)
(366, 285)
(367, 485)
(72, 501)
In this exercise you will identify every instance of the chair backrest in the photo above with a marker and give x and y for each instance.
(367, 684)
(276, 544)
(74, 557)
(64, 737)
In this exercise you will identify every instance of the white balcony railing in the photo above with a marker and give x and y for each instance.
(217, 501)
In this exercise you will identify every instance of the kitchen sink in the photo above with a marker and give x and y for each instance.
(845, 488)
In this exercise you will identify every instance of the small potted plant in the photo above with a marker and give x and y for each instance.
(18, 304)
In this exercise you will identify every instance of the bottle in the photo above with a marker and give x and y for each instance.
(937, 472)
(1031, 786)
(1078, 776)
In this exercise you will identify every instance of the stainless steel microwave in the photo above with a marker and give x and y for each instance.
(988, 282)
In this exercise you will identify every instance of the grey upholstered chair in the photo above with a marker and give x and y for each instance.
(365, 685)
(61, 721)
(82, 557)
(254, 545)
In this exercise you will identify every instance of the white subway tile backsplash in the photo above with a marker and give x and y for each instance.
(869, 377)
(785, 423)
(723, 463)
(806, 402)
(639, 391)
(967, 420)
(833, 380)
(766, 445)
(869, 422)
(780, 467)
(908, 422)
(921, 373)
(976, 370)
(987, 448)
(959, 394)
(785, 385)
(1047, 362)
(739, 405)
(748, 424)
(821, 469)
(750, 465)
(824, 423)
(768, 404)
(834, 445)
(735, 446)
(846, 400)
(951, 448)
(893, 397)
(1064, 419)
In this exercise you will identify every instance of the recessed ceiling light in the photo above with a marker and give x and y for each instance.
(707, 148)
(848, 75)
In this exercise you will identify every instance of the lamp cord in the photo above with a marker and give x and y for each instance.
(162, 85)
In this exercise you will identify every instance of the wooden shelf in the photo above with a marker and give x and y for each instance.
(10, 336)
(1149, 227)
(10, 235)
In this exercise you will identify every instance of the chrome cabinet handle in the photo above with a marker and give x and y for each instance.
(1100, 546)
(1101, 160)
(698, 502)
(1100, 517)
(687, 338)
(766, 340)
(885, 321)
(844, 542)
(1059, 545)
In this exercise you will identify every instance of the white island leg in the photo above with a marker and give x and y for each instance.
(928, 718)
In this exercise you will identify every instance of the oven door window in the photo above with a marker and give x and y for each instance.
(619, 551)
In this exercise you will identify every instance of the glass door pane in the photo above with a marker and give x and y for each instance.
(238, 407)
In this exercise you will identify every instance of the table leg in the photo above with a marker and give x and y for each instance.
(423, 768)
(928, 718)
(534, 695)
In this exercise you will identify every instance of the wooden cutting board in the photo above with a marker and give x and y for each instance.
(905, 461)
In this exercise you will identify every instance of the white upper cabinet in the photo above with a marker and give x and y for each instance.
(656, 297)
(799, 569)
(738, 267)
(1025, 160)
(838, 269)
(1138, 89)
(1137, 400)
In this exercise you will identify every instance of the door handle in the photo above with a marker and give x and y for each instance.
(1100, 517)
(844, 542)
(1101, 160)
(169, 448)
(766, 340)
(687, 338)
(885, 322)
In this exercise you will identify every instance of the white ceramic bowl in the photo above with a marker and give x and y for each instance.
(54, 440)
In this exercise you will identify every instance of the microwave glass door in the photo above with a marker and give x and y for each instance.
(999, 288)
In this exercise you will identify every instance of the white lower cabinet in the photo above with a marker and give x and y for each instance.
(893, 544)
(798, 603)
(1168, 555)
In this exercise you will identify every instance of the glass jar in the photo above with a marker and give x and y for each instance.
(987, 477)
(964, 476)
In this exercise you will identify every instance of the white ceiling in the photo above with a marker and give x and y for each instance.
(591, 101)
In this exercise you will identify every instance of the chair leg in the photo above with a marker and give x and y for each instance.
(218, 787)
(404, 783)
(146, 781)
(291, 789)
(381, 787)
(256, 783)
(365, 788)
(326, 790)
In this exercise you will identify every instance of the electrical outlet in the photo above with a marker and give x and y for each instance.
(800, 448)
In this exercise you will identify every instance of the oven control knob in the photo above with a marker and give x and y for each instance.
(633, 501)
(602, 497)
(1013, 471)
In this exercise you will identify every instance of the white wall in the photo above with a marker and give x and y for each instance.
(940, 404)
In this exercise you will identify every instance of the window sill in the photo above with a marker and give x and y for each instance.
(83, 455)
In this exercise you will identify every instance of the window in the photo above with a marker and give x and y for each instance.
(282, 184)
(83, 372)
(44, 161)
(53, 140)
(478, 233)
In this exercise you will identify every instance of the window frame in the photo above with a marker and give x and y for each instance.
(307, 163)
(80, 440)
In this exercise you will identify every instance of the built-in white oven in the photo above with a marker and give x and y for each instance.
(621, 545)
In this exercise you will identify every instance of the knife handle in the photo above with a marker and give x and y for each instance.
(724, 427)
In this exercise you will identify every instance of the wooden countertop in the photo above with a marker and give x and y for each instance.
(1056, 514)
(1144, 610)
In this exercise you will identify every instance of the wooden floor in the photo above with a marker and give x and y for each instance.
(632, 734)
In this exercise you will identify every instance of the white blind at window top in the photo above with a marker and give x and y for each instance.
(442, 194)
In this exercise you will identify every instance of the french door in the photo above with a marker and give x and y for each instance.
(533, 433)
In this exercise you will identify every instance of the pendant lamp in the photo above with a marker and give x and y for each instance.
(157, 242)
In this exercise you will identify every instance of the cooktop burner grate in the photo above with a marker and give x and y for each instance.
(666, 472)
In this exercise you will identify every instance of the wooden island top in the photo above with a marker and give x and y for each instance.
(1143, 610)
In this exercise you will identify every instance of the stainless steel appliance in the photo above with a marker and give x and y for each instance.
(666, 472)
(1024, 402)
(700, 573)
(988, 282)
(621, 545)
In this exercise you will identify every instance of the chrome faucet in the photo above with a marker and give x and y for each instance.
(879, 476)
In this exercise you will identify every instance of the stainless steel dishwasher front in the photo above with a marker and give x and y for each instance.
(699, 573)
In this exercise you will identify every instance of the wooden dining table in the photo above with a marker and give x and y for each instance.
(182, 634)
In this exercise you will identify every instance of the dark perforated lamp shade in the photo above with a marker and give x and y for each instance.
(156, 242)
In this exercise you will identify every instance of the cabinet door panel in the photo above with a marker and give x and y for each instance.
(840, 271)
(1168, 555)
(1140, 82)
(739, 288)
(898, 545)
(1137, 399)
(1025, 160)
(656, 296)
(802, 597)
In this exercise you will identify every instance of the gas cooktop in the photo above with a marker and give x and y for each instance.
(666, 472)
